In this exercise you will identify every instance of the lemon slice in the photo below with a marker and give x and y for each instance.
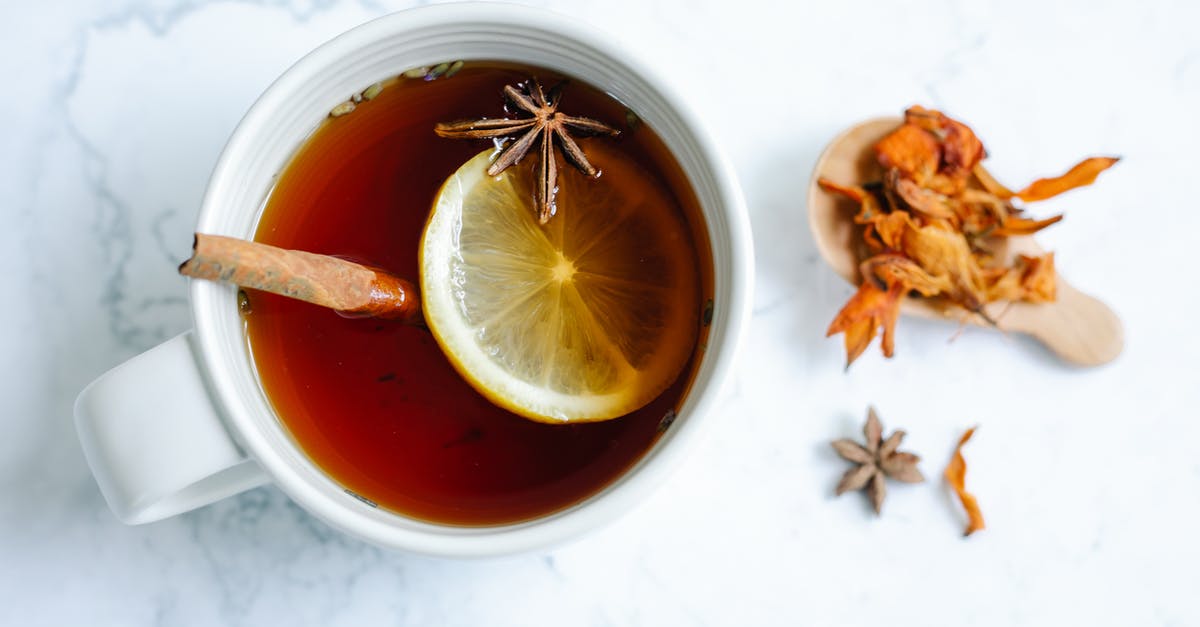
(586, 318)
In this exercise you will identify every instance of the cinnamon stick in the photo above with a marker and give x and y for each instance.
(319, 279)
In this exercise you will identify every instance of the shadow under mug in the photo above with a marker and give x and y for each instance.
(187, 423)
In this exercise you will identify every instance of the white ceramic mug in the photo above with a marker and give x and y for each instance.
(187, 423)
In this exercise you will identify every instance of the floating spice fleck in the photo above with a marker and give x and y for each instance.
(372, 91)
(632, 120)
(342, 109)
(474, 434)
(667, 420)
(437, 71)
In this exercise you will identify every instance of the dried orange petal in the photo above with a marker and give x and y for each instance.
(944, 251)
(891, 228)
(911, 150)
(1038, 278)
(956, 474)
(1084, 173)
(893, 268)
(853, 192)
(989, 183)
(961, 148)
(869, 309)
(1024, 226)
(918, 198)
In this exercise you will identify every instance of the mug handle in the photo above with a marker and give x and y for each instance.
(155, 440)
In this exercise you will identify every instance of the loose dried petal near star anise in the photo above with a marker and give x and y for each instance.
(542, 125)
(956, 475)
(877, 460)
(939, 209)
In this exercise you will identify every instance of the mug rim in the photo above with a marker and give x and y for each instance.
(624, 490)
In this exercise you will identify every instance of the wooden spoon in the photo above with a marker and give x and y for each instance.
(1078, 328)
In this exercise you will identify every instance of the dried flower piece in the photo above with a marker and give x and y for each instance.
(961, 149)
(891, 227)
(1031, 279)
(543, 126)
(912, 151)
(917, 198)
(893, 268)
(868, 204)
(935, 225)
(990, 183)
(1024, 226)
(943, 251)
(1037, 278)
(956, 473)
(869, 309)
(853, 192)
(875, 461)
(1084, 173)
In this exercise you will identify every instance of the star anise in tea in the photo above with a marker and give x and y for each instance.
(876, 461)
(541, 124)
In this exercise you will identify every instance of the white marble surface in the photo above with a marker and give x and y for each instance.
(115, 111)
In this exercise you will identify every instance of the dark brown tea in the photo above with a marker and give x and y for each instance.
(375, 404)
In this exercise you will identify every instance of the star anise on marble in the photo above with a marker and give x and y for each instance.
(877, 460)
(540, 124)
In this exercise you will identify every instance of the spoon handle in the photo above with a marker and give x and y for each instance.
(1078, 328)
